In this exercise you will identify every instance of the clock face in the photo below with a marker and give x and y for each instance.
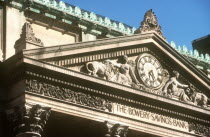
(150, 70)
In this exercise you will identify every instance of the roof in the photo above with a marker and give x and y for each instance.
(65, 9)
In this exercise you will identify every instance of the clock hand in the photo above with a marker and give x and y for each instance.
(151, 73)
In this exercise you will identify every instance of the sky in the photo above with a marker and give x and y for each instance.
(182, 21)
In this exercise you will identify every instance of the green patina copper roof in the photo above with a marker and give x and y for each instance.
(193, 54)
(90, 16)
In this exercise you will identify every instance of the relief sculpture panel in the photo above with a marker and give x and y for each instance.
(62, 93)
(145, 72)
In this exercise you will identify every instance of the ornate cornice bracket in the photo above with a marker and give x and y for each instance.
(150, 23)
(27, 39)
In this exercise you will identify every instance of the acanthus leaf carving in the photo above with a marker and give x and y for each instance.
(28, 35)
(115, 130)
(28, 120)
(150, 23)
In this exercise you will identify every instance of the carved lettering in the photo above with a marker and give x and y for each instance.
(150, 117)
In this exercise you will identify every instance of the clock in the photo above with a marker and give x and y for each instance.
(150, 70)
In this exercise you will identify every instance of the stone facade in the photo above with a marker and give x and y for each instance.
(59, 77)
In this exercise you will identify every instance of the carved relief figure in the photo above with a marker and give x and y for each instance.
(174, 88)
(120, 71)
(125, 74)
(151, 74)
(98, 69)
(198, 98)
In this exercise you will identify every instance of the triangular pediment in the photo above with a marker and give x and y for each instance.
(153, 65)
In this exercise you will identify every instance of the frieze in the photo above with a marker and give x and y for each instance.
(66, 94)
(113, 107)
(146, 73)
(150, 117)
(160, 120)
(126, 99)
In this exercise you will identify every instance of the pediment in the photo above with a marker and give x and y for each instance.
(145, 62)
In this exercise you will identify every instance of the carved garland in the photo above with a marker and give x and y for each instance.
(61, 93)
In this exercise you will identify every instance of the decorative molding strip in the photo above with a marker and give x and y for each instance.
(61, 93)
(99, 56)
(193, 54)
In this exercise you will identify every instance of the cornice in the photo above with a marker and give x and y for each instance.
(70, 14)
(34, 53)
(201, 61)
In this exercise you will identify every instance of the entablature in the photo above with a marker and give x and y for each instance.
(54, 84)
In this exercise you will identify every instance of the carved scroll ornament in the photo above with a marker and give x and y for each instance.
(65, 94)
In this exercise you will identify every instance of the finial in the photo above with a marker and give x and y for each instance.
(150, 23)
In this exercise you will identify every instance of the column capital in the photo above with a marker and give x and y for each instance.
(115, 130)
(29, 121)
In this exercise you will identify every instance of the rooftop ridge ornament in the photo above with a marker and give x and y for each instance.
(194, 54)
(150, 23)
